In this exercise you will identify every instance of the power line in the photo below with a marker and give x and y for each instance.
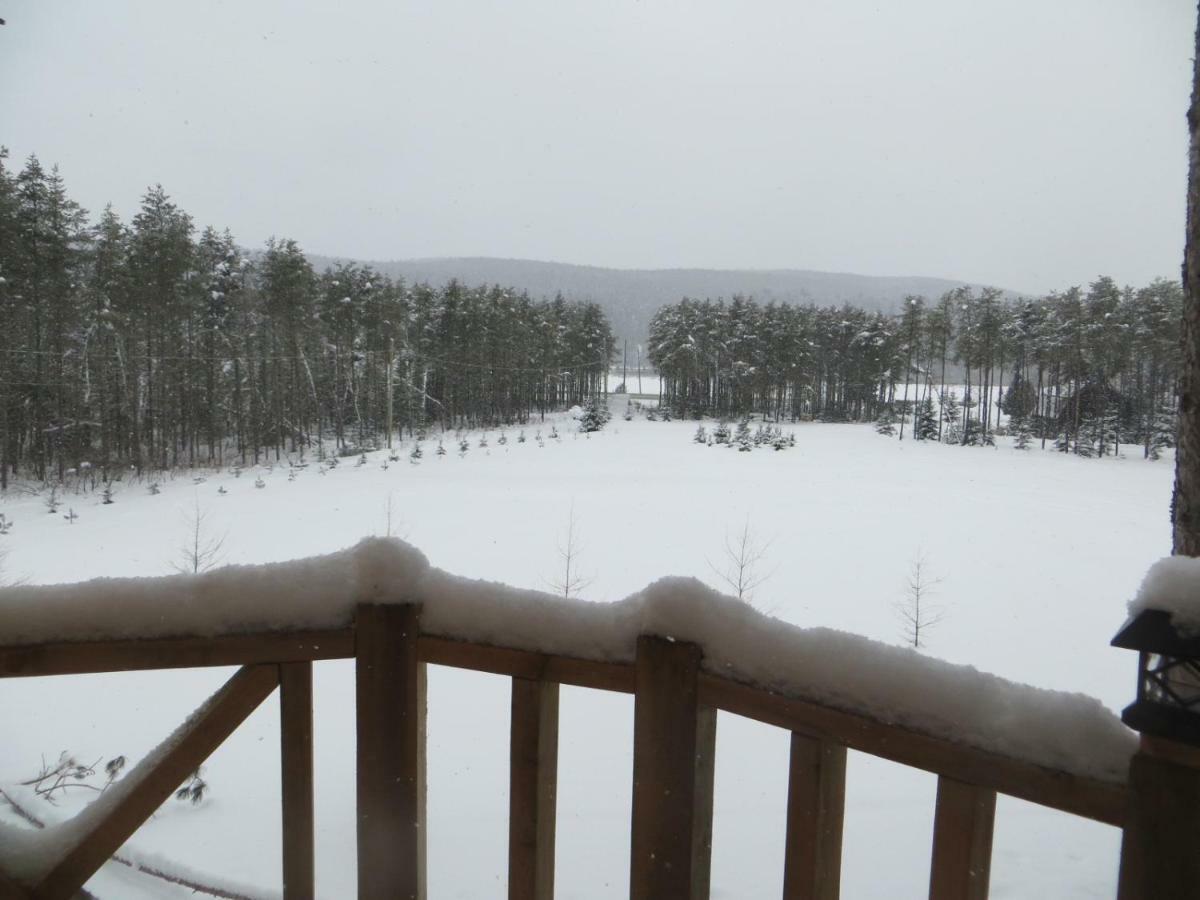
(551, 366)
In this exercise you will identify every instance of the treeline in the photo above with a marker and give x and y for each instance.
(148, 344)
(1089, 370)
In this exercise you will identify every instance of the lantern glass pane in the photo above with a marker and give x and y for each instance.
(1172, 681)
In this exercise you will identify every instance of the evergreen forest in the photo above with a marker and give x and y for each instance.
(1088, 370)
(152, 344)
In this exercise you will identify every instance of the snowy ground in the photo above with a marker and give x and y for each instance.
(648, 384)
(1038, 553)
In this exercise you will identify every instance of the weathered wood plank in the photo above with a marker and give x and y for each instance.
(296, 779)
(815, 810)
(190, 746)
(390, 699)
(604, 676)
(1091, 798)
(702, 826)
(665, 725)
(533, 788)
(80, 657)
(962, 841)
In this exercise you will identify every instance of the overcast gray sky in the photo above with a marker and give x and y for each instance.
(1029, 144)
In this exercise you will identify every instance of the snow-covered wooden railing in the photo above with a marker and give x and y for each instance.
(681, 649)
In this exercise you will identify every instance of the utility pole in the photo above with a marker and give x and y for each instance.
(390, 350)
(639, 353)
(625, 366)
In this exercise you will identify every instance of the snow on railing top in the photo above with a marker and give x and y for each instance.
(1172, 585)
(1070, 732)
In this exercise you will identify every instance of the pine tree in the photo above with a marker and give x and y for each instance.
(1086, 437)
(972, 435)
(885, 424)
(1021, 431)
(743, 438)
(951, 412)
(595, 415)
(43, 274)
(160, 266)
(1163, 431)
(1020, 399)
(1108, 432)
(926, 427)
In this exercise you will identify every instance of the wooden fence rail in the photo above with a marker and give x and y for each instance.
(675, 705)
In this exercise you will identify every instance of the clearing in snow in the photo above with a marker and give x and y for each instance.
(1035, 555)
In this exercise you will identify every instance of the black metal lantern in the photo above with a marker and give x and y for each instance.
(1168, 693)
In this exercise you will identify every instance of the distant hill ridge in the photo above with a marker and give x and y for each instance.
(629, 297)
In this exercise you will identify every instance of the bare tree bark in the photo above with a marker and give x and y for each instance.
(1185, 503)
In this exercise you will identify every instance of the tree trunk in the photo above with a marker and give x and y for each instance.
(1185, 502)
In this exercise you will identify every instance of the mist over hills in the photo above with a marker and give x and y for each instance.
(629, 297)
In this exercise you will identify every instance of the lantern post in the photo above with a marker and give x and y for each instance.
(1160, 848)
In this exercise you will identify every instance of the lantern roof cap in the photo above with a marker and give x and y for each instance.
(1155, 631)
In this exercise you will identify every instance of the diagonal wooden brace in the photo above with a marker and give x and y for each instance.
(145, 788)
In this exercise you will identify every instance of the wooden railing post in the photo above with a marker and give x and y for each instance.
(390, 695)
(666, 855)
(962, 841)
(815, 810)
(296, 779)
(533, 786)
(1160, 856)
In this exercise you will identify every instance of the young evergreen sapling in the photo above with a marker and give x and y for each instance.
(743, 438)
(885, 423)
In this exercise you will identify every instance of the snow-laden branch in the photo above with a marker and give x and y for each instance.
(148, 864)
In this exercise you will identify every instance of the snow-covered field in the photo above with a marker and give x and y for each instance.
(1037, 553)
